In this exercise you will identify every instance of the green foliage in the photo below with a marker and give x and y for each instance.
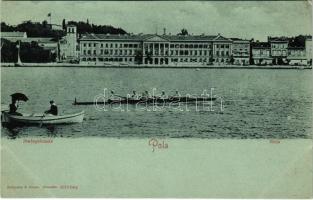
(8, 51)
(83, 27)
(29, 52)
(138, 57)
(34, 29)
(183, 32)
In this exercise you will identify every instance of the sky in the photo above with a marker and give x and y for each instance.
(243, 19)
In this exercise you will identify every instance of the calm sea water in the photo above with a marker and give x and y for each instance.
(257, 103)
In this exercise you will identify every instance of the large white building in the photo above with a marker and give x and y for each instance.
(154, 49)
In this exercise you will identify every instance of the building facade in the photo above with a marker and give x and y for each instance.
(297, 56)
(279, 49)
(261, 53)
(241, 51)
(308, 50)
(155, 49)
(68, 45)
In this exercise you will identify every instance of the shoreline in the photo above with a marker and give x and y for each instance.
(156, 66)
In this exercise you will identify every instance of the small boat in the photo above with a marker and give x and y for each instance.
(43, 119)
(147, 100)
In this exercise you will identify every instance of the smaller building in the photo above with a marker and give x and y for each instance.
(308, 49)
(13, 35)
(222, 49)
(240, 51)
(279, 49)
(68, 45)
(261, 53)
(297, 56)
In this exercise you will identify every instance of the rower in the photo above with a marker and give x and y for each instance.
(53, 109)
(163, 95)
(177, 94)
(135, 95)
(112, 95)
(146, 94)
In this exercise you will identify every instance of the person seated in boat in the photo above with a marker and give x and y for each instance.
(53, 109)
(163, 95)
(177, 94)
(135, 96)
(146, 95)
(112, 96)
(13, 108)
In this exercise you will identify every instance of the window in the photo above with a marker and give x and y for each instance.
(101, 44)
(115, 45)
(94, 44)
(222, 46)
(172, 45)
(135, 45)
(89, 44)
(130, 45)
(85, 45)
(106, 45)
(94, 52)
(111, 45)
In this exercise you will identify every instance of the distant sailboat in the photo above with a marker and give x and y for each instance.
(19, 62)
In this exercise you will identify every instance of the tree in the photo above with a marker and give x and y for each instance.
(44, 24)
(63, 24)
(231, 60)
(183, 32)
(138, 56)
(83, 27)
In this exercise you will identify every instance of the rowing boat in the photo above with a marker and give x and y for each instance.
(147, 100)
(43, 119)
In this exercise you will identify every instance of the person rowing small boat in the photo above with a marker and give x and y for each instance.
(163, 96)
(146, 96)
(53, 109)
(135, 96)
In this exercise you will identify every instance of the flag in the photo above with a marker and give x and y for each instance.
(49, 14)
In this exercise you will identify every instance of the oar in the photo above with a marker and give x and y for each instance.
(40, 125)
(120, 96)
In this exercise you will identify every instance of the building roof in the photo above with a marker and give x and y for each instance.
(33, 39)
(278, 39)
(238, 40)
(13, 34)
(145, 37)
(260, 45)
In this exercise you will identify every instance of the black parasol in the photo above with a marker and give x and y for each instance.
(19, 97)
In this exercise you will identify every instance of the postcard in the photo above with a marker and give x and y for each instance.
(156, 99)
